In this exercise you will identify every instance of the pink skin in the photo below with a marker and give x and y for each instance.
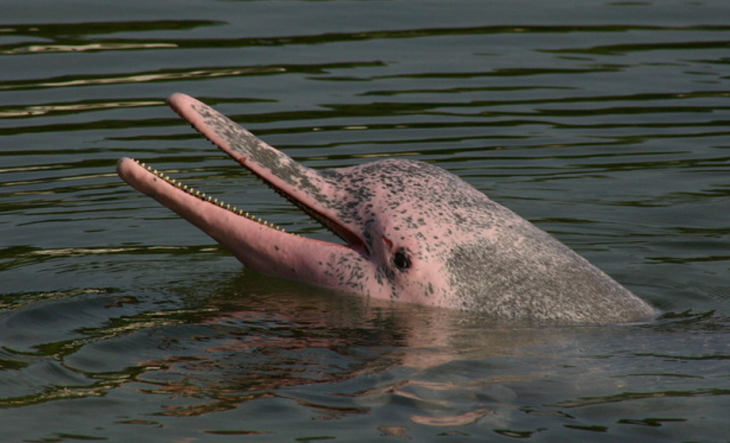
(260, 247)
(413, 232)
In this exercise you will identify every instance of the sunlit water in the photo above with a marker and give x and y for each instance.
(604, 123)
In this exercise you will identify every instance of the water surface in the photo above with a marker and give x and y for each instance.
(605, 123)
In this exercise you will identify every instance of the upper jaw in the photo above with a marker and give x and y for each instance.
(304, 187)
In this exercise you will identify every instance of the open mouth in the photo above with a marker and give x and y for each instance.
(351, 239)
(237, 229)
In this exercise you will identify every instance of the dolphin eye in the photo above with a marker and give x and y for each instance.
(401, 261)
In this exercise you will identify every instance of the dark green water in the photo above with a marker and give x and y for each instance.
(605, 123)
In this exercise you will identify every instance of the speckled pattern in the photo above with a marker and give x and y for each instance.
(421, 234)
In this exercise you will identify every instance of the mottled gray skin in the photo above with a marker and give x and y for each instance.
(414, 233)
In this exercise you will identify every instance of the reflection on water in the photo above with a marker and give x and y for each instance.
(31, 111)
(347, 358)
(604, 123)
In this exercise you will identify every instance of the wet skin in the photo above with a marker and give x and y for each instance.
(412, 233)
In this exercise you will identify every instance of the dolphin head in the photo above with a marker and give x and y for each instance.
(411, 232)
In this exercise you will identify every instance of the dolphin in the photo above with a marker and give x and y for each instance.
(411, 232)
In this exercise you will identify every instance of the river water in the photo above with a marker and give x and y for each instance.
(606, 123)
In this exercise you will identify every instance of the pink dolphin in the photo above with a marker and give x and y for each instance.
(412, 232)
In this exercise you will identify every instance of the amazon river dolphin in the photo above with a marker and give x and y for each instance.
(412, 232)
